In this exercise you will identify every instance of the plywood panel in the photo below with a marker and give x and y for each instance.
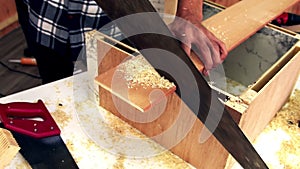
(8, 17)
(271, 97)
(7, 9)
(225, 3)
(238, 22)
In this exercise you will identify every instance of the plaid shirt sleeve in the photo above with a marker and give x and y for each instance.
(61, 23)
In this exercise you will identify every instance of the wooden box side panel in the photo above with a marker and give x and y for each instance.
(109, 56)
(8, 17)
(176, 128)
(270, 99)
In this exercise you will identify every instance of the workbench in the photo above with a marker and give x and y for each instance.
(98, 139)
(74, 110)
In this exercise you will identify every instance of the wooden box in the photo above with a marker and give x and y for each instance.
(260, 75)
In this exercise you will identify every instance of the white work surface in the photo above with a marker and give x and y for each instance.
(94, 137)
(97, 139)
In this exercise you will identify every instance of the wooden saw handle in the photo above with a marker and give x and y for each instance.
(197, 62)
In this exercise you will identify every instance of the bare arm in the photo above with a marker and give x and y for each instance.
(190, 8)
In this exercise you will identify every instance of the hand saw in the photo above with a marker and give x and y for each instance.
(227, 131)
(37, 134)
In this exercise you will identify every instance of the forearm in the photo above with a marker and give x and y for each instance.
(190, 9)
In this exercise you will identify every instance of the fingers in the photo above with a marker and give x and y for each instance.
(205, 51)
(223, 51)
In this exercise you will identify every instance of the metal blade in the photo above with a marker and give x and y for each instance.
(227, 132)
(45, 153)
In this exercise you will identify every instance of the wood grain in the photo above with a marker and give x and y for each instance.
(273, 94)
(8, 17)
(8, 147)
(238, 22)
(137, 96)
(176, 128)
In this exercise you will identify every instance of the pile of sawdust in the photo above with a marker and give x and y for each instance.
(287, 119)
(138, 71)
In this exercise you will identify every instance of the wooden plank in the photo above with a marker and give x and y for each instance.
(225, 3)
(238, 22)
(8, 17)
(171, 7)
(10, 20)
(271, 96)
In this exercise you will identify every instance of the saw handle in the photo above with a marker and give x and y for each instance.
(32, 119)
(197, 62)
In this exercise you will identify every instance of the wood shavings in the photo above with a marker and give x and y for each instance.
(121, 127)
(8, 147)
(119, 162)
(61, 117)
(287, 120)
(138, 71)
(170, 160)
(235, 88)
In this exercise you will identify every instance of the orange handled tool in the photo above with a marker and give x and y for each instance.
(24, 61)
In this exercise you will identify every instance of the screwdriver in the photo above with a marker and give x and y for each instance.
(24, 61)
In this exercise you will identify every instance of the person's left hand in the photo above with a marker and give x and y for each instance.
(194, 36)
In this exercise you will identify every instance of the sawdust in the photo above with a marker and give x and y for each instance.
(138, 72)
(119, 162)
(23, 166)
(61, 118)
(235, 88)
(121, 127)
(170, 160)
(287, 119)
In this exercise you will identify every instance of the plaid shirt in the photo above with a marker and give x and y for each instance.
(60, 24)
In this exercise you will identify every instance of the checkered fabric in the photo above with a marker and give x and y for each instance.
(58, 23)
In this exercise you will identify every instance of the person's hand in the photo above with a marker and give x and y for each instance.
(194, 36)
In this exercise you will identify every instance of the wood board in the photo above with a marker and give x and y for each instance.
(138, 96)
(238, 22)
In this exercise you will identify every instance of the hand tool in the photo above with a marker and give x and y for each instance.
(24, 61)
(287, 19)
(37, 134)
(227, 131)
